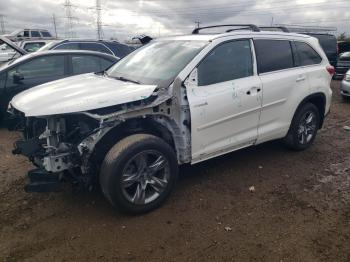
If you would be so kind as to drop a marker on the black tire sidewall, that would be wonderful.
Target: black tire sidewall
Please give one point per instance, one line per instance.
(110, 176)
(293, 133)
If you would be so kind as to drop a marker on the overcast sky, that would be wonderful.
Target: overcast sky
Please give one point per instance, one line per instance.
(125, 18)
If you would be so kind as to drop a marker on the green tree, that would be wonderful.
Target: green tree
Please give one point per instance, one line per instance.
(342, 37)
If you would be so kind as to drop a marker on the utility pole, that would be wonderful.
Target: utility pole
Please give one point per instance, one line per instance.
(2, 24)
(99, 19)
(69, 23)
(54, 24)
(272, 21)
(197, 23)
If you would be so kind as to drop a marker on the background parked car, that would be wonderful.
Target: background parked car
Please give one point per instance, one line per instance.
(27, 34)
(41, 67)
(33, 45)
(9, 50)
(329, 44)
(343, 46)
(345, 85)
(343, 65)
(108, 47)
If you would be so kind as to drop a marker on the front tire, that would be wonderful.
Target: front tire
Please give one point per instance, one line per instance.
(139, 173)
(304, 127)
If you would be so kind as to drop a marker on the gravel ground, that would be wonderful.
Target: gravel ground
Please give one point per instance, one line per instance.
(299, 211)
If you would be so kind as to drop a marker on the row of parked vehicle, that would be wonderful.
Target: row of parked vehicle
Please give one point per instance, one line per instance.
(34, 62)
(176, 100)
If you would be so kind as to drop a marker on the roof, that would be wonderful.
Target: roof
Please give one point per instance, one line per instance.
(55, 52)
(243, 33)
(88, 40)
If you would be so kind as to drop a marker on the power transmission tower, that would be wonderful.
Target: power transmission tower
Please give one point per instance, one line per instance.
(197, 23)
(2, 24)
(99, 19)
(54, 24)
(69, 19)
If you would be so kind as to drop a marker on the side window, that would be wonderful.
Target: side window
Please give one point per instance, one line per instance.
(35, 33)
(32, 47)
(26, 33)
(273, 55)
(228, 61)
(86, 64)
(120, 50)
(69, 46)
(95, 47)
(307, 55)
(49, 66)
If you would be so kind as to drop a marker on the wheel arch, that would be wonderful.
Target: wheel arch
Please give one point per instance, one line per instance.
(319, 100)
(131, 126)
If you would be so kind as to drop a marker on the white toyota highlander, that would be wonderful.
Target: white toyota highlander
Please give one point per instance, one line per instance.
(176, 100)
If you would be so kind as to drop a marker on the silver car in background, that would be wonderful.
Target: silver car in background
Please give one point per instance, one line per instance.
(345, 85)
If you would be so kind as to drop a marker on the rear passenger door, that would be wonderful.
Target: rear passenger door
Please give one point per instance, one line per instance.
(284, 86)
(311, 62)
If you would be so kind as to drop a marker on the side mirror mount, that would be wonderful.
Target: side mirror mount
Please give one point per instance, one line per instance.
(17, 78)
(192, 79)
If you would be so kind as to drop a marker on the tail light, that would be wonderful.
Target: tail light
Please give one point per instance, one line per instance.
(330, 69)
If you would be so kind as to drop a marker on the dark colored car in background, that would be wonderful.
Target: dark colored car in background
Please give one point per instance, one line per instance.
(40, 67)
(329, 45)
(104, 46)
(343, 46)
(343, 65)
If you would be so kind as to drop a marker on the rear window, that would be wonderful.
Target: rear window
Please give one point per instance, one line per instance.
(45, 34)
(120, 50)
(69, 46)
(307, 55)
(273, 55)
(95, 47)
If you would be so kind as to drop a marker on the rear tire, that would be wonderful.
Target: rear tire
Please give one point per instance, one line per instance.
(139, 173)
(304, 127)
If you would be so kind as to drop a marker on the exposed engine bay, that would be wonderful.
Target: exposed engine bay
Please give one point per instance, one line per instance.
(72, 146)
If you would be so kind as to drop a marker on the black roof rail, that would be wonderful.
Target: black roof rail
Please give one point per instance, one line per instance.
(251, 26)
(282, 28)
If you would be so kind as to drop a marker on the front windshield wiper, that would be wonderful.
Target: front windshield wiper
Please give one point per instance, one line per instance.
(126, 79)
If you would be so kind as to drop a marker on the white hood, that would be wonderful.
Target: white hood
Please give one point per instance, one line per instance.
(77, 94)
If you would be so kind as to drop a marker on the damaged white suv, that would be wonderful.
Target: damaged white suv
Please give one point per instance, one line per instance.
(177, 100)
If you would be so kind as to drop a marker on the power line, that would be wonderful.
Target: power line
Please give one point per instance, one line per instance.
(99, 20)
(54, 24)
(2, 24)
(69, 19)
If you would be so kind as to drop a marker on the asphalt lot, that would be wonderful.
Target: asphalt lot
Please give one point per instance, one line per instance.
(299, 211)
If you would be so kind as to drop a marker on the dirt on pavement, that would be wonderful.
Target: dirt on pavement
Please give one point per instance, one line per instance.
(299, 210)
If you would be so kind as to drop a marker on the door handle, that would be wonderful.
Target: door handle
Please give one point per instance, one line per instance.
(301, 78)
(249, 92)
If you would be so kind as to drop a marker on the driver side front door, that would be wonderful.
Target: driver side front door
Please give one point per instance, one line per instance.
(225, 102)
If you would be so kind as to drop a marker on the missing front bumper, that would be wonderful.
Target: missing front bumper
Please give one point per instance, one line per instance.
(41, 181)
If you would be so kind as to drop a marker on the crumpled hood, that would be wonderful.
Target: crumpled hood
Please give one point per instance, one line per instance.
(77, 94)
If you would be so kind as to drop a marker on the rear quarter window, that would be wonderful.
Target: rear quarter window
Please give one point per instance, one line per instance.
(307, 55)
(273, 55)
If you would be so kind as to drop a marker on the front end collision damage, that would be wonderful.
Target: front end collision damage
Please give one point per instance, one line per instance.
(73, 146)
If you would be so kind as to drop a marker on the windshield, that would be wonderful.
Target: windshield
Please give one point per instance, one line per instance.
(15, 33)
(157, 63)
